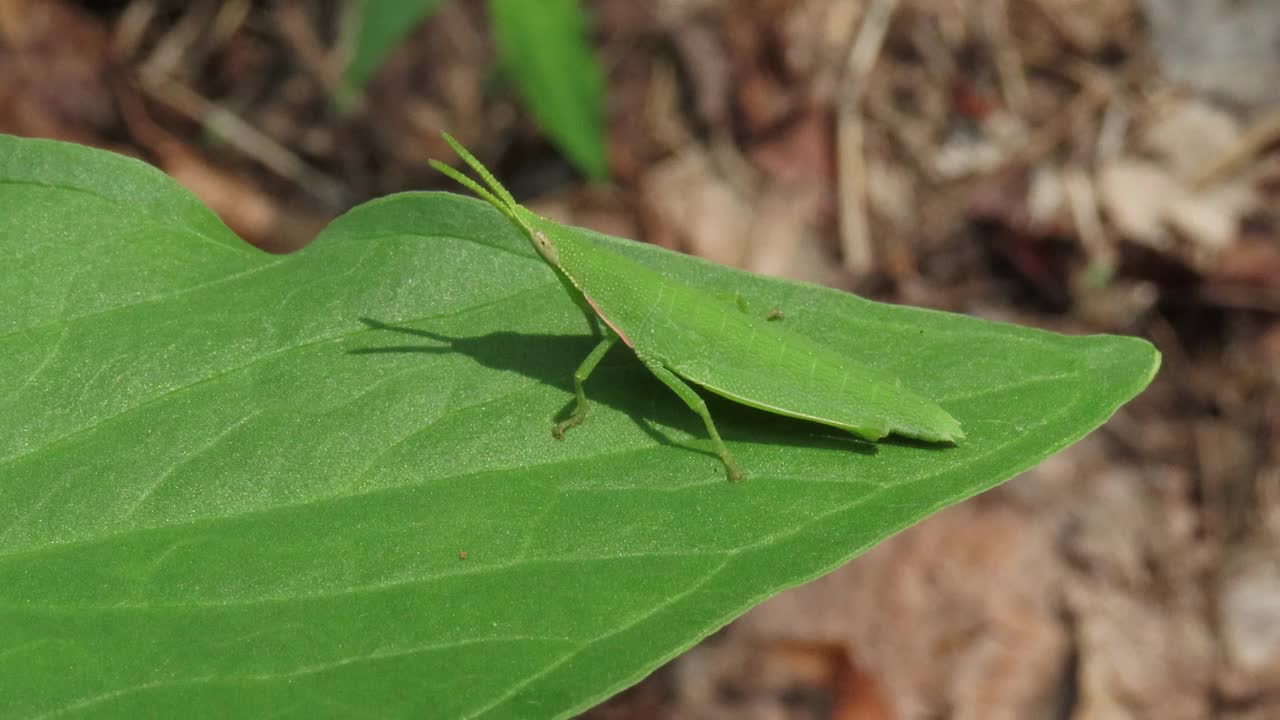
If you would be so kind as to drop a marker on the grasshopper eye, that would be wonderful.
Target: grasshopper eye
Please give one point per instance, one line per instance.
(545, 248)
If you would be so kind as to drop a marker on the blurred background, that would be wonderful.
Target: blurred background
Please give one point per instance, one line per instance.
(1079, 165)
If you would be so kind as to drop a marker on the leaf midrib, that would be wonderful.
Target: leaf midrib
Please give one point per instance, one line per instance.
(348, 496)
(764, 540)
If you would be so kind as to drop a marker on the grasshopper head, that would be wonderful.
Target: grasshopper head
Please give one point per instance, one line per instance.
(497, 196)
(545, 247)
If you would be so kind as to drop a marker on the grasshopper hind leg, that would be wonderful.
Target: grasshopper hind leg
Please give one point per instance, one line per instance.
(699, 406)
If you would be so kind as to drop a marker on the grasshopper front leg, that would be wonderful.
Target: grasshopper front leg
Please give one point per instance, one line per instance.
(579, 377)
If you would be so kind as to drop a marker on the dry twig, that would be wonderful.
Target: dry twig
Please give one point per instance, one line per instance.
(1258, 137)
(855, 235)
(243, 136)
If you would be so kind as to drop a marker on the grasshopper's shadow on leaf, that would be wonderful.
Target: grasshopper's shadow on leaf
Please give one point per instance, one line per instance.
(551, 360)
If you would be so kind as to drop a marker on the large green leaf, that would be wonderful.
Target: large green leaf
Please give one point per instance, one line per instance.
(238, 485)
(543, 46)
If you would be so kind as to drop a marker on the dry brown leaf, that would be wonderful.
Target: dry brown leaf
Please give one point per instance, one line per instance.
(1249, 615)
(1151, 206)
(688, 197)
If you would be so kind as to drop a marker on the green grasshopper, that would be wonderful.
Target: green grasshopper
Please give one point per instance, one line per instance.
(682, 333)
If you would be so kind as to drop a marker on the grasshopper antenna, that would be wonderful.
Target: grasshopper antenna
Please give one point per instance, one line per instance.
(480, 170)
(474, 187)
(496, 195)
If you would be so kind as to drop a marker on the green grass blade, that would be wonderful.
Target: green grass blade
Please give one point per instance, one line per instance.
(383, 24)
(544, 49)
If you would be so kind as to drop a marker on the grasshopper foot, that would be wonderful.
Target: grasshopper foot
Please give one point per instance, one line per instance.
(574, 420)
(731, 467)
